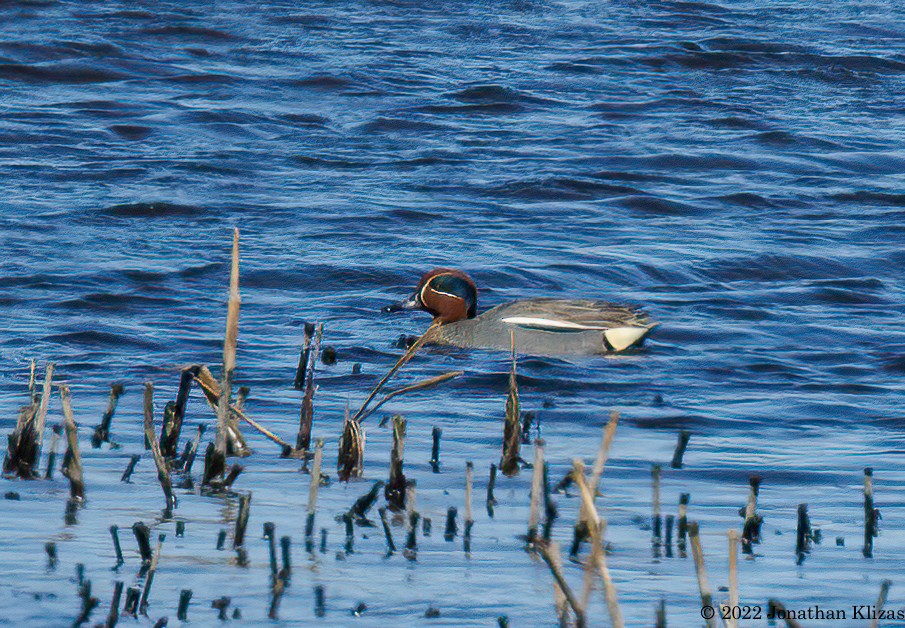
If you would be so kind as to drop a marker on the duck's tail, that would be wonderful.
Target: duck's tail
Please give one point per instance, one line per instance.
(621, 338)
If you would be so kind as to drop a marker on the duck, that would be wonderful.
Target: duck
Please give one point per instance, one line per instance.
(539, 326)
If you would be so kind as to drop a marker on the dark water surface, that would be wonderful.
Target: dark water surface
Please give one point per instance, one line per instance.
(737, 169)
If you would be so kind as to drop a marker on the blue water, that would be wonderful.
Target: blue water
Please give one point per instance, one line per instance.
(737, 169)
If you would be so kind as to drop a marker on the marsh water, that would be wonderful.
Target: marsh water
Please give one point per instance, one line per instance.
(737, 169)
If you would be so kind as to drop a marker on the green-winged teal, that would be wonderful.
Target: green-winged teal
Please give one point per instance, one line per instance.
(538, 326)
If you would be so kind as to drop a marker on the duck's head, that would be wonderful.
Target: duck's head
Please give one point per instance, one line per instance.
(449, 295)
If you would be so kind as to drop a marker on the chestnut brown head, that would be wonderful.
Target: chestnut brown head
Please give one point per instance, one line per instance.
(449, 295)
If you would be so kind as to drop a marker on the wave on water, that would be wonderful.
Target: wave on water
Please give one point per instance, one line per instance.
(58, 73)
(160, 209)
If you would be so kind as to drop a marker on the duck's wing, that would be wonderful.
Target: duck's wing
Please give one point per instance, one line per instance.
(574, 315)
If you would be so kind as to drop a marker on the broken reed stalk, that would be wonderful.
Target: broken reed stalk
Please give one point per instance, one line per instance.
(185, 597)
(871, 514)
(603, 454)
(559, 598)
(32, 367)
(172, 424)
(113, 614)
(469, 521)
(410, 352)
(512, 427)
(436, 433)
(270, 537)
(881, 602)
(491, 483)
(20, 443)
(657, 519)
(143, 537)
(130, 606)
(682, 532)
(89, 603)
(211, 389)
(102, 431)
(306, 417)
(130, 468)
(391, 546)
(363, 504)
(427, 383)
(191, 450)
(41, 415)
(751, 529)
(411, 517)
(681, 445)
(52, 454)
(703, 584)
(241, 520)
(146, 592)
(556, 571)
(395, 487)
(163, 473)
(72, 459)
(597, 529)
(802, 534)
(51, 549)
(230, 339)
(451, 529)
(285, 554)
(241, 398)
(24, 443)
(117, 548)
(731, 620)
(301, 370)
(537, 491)
(550, 510)
(312, 494)
(350, 460)
(277, 590)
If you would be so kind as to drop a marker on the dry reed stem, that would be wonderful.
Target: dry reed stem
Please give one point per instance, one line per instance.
(72, 460)
(870, 514)
(41, 415)
(657, 520)
(512, 427)
(556, 570)
(350, 460)
(603, 454)
(163, 473)
(230, 340)
(881, 602)
(146, 592)
(211, 389)
(306, 416)
(703, 584)
(32, 367)
(102, 431)
(469, 482)
(732, 622)
(315, 476)
(562, 604)
(427, 383)
(597, 528)
(399, 364)
(537, 490)
(395, 487)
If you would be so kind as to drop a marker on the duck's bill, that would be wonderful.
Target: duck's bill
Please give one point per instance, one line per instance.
(400, 306)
